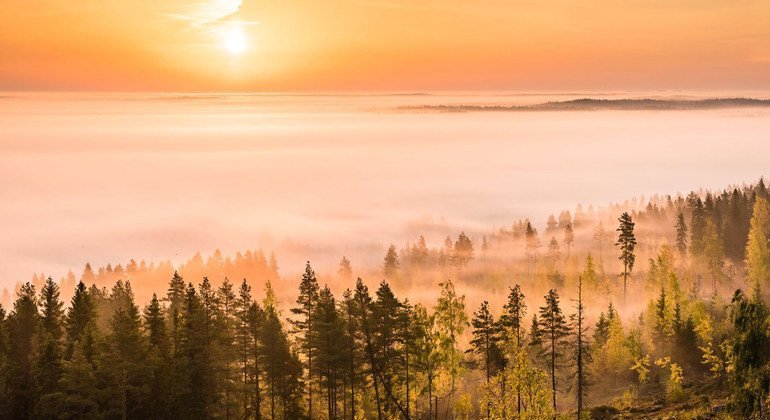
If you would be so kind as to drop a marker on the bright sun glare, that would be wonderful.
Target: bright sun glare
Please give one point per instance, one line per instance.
(234, 40)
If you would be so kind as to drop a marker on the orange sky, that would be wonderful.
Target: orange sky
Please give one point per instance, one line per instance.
(384, 44)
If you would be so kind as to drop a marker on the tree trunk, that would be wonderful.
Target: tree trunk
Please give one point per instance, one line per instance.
(625, 276)
(272, 396)
(553, 369)
(407, 382)
(489, 403)
(310, 385)
(430, 395)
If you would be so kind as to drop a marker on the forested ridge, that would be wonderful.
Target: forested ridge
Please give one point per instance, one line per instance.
(648, 308)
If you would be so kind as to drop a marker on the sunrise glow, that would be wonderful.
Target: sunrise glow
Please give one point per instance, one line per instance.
(234, 39)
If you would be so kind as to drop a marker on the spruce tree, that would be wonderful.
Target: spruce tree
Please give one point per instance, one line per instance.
(750, 352)
(390, 321)
(600, 236)
(391, 264)
(195, 360)
(49, 353)
(22, 323)
(697, 225)
(485, 343)
(123, 366)
(80, 313)
(158, 359)
(681, 235)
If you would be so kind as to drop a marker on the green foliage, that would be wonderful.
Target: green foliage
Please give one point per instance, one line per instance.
(451, 321)
(749, 354)
(757, 250)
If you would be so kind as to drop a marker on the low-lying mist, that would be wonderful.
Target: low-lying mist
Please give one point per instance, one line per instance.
(108, 178)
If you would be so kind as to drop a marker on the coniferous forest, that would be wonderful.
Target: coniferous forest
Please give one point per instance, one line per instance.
(651, 308)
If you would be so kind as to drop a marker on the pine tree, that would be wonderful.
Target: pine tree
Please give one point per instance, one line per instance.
(175, 296)
(329, 363)
(553, 253)
(569, 238)
(256, 321)
(191, 356)
(531, 245)
(627, 243)
(351, 352)
(582, 349)
(363, 306)
(554, 330)
(244, 341)
(227, 323)
(345, 271)
(511, 325)
(303, 324)
(211, 330)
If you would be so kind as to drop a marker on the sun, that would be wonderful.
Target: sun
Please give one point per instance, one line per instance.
(234, 40)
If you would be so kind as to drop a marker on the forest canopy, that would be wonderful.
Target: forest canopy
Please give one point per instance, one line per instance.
(647, 308)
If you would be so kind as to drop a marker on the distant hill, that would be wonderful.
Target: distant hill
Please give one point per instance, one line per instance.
(591, 104)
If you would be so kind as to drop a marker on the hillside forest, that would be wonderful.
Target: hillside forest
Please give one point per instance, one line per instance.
(650, 308)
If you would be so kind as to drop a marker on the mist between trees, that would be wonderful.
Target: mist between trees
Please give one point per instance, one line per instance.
(651, 308)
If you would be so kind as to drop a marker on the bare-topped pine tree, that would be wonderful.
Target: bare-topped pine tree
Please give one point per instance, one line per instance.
(627, 243)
